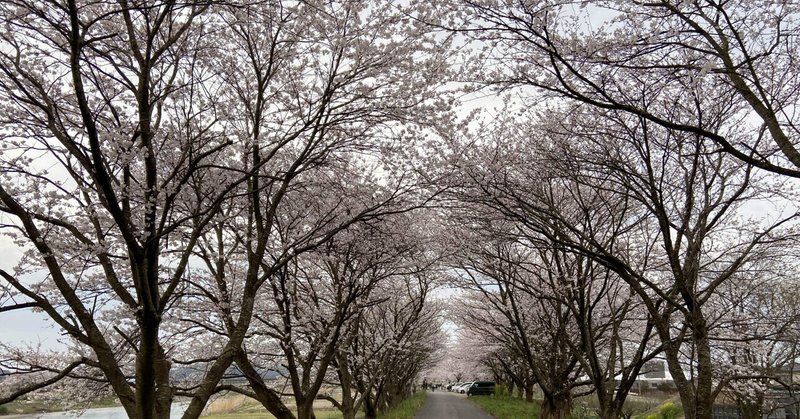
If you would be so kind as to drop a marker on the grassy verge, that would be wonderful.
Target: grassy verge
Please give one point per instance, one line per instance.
(26, 405)
(324, 414)
(638, 407)
(256, 411)
(668, 410)
(505, 407)
(406, 409)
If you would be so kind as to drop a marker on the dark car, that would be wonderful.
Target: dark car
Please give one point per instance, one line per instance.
(481, 388)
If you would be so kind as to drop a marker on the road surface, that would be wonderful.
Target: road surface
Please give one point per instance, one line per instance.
(444, 405)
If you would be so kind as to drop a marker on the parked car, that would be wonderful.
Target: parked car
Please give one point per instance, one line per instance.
(462, 389)
(481, 388)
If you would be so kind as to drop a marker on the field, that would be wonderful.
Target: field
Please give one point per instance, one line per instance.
(240, 407)
(506, 407)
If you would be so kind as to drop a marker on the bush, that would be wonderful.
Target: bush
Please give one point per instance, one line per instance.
(507, 407)
(406, 409)
(670, 411)
(501, 390)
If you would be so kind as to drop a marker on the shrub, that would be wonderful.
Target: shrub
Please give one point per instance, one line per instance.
(501, 390)
(670, 411)
(407, 408)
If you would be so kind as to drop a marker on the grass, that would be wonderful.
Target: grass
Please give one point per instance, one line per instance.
(252, 410)
(320, 414)
(505, 407)
(406, 409)
(668, 410)
(586, 407)
(236, 407)
(247, 409)
(28, 405)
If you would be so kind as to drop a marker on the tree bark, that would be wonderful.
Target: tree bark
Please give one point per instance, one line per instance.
(529, 393)
(266, 396)
(704, 393)
(305, 409)
(556, 406)
(369, 408)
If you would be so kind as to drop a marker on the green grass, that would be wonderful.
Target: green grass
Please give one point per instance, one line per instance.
(505, 407)
(586, 407)
(406, 409)
(258, 412)
(27, 405)
(668, 410)
(251, 409)
(320, 414)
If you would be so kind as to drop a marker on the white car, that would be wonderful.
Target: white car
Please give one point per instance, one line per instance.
(462, 389)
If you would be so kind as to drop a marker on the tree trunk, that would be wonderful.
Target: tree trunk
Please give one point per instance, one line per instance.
(266, 396)
(305, 409)
(147, 363)
(556, 406)
(529, 393)
(347, 405)
(164, 391)
(749, 410)
(616, 402)
(348, 413)
(672, 354)
(704, 393)
(605, 401)
(369, 407)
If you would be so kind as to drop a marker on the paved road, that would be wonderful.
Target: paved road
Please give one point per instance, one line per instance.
(444, 405)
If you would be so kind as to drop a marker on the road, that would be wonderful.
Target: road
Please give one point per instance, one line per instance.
(443, 405)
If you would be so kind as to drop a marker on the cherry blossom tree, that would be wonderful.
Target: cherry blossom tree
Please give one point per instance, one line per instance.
(639, 57)
(705, 81)
(756, 334)
(316, 303)
(159, 158)
(324, 138)
(463, 359)
(536, 329)
(393, 342)
(595, 315)
(681, 204)
(105, 132)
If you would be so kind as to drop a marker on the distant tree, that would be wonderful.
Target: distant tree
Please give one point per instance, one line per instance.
(500, 307)
(315, 304)
(394, 342)
(462, 359)
(597, 317)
